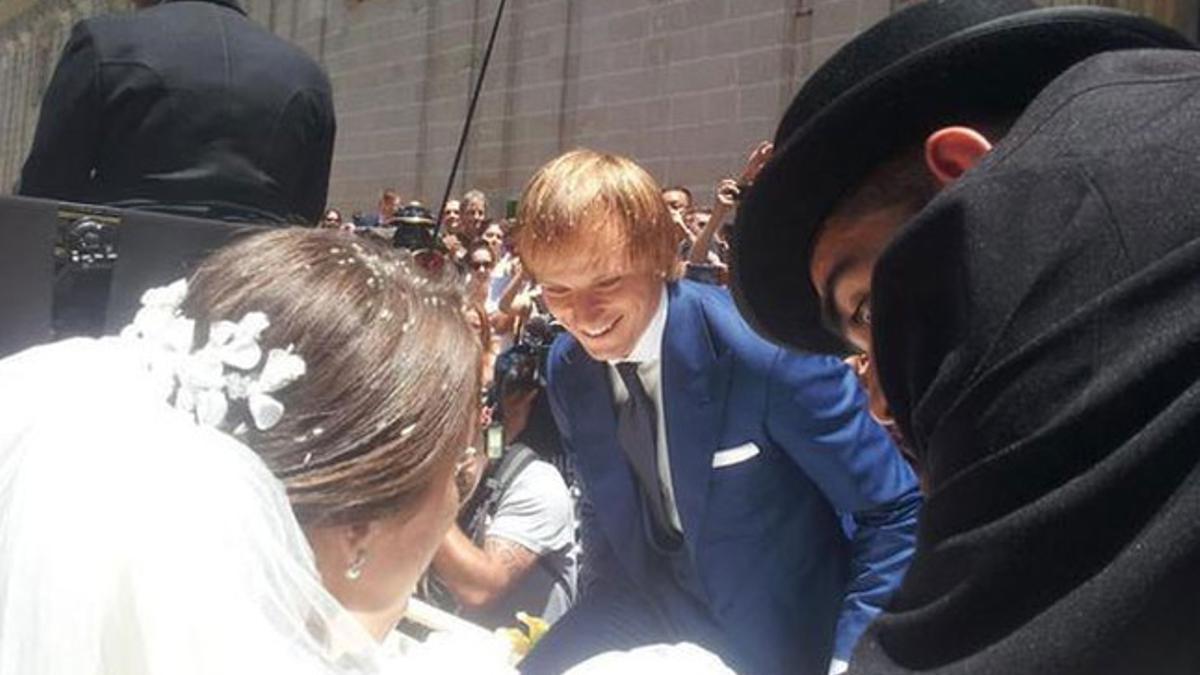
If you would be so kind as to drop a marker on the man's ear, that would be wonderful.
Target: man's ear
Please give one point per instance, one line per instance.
(951, 151)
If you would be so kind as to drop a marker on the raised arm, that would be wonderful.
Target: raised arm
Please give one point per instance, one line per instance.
(728, 192)
(510, 300)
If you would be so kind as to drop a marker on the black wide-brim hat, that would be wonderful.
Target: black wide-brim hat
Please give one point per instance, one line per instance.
(931, 65)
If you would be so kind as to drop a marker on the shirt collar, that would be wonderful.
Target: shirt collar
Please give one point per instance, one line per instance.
(649, 345)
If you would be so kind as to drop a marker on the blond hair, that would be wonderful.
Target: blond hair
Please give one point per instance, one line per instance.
(585, 193)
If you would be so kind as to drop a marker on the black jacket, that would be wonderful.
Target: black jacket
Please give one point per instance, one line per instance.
(187, 107)
(1037, 333)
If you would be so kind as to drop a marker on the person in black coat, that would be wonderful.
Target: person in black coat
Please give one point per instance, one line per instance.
(995, 205)
(188, 107)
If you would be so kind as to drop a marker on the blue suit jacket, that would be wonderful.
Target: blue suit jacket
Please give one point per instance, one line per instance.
(789, 554)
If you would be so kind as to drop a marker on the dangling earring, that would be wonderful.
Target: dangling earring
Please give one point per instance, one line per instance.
(354, 571)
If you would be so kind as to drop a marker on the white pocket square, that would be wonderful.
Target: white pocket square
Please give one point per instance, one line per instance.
(734, 455)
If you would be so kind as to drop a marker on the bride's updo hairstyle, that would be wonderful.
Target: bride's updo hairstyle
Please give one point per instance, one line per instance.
(390, 397)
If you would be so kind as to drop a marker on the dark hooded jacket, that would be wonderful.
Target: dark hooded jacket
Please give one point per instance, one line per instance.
(187, 107)
(1037, 332)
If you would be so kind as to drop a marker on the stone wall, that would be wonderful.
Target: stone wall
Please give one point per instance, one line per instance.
(685, 86)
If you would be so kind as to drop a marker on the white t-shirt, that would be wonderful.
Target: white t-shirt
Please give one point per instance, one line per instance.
(535, 512)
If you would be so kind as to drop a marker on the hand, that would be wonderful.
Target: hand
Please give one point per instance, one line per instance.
(728, 192)
(682, 224)
(756, 161)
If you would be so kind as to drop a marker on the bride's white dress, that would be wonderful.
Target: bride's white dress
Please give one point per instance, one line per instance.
(135, 542)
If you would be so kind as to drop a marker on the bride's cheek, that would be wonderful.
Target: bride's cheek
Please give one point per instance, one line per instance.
(450, 505)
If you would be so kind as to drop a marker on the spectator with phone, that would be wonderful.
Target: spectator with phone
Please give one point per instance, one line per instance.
(514, 546)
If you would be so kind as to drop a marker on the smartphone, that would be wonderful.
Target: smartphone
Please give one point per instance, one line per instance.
(494, 439)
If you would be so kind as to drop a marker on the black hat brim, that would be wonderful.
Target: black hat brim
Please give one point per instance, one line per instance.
(989, 69)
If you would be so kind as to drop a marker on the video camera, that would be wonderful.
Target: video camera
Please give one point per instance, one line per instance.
(79, 269)
(524, 364)
(415, 227)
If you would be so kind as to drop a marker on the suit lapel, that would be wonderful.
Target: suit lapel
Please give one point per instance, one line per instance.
(695, 380)
(608, 477)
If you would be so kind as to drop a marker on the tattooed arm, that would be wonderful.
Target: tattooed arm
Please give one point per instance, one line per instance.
(480, 576)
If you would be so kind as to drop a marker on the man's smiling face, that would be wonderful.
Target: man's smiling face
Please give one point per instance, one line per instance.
(605, 300)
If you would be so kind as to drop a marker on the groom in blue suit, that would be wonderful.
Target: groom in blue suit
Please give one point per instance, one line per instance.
(735, 495)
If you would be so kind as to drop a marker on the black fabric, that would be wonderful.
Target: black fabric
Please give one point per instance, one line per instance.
(1037, 333)
(188, 107)
(916, 27)
(930, 65)
(38, 296)
(637, 434)
(28, 229)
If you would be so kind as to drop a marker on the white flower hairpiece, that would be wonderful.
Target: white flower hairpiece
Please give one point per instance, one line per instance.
(204, 381)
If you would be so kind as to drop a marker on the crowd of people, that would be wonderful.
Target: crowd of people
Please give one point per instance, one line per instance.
(505, 299)
(916, 393)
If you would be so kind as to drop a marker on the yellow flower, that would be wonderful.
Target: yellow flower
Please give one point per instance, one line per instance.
(536, 626)
(524, 636)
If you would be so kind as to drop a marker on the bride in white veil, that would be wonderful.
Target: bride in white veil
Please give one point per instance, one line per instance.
(134, 541)
(263, 504)
(251, 478)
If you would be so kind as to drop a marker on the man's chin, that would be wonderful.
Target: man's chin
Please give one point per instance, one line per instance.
(605, 349)
(603, 353)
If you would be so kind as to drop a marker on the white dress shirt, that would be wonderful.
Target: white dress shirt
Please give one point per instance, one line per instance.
(647, 353)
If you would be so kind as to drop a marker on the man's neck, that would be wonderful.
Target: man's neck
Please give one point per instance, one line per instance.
(649, 344)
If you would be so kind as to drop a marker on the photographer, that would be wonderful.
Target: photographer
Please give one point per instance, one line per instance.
(514, 547)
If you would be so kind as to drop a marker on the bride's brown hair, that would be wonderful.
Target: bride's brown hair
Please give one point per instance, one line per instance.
(390, 397)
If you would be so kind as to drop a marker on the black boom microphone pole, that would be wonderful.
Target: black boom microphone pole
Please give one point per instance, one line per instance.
(466, 130)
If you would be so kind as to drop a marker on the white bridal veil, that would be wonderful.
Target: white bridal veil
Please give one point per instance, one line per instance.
(135, 542)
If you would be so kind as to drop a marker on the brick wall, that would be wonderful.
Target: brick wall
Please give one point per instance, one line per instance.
(686, 87)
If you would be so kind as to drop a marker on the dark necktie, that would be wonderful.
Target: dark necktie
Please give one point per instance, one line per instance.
(637, 433)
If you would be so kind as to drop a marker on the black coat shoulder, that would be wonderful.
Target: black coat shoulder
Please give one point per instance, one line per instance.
(188, 107)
